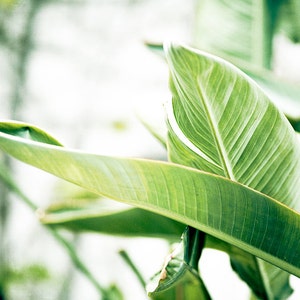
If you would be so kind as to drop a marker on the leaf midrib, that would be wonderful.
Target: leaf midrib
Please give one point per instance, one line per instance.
(226, 165)
(215, 132)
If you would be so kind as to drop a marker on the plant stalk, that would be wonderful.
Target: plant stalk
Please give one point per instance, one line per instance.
(133, 267)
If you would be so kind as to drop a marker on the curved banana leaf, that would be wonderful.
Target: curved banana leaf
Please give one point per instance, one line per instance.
(242, 29)
(78, 215)
(285, 95)
(109, 218)
(225, 209)
(220, 121)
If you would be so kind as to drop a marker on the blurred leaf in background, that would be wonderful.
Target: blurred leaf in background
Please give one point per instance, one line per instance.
(8, 4)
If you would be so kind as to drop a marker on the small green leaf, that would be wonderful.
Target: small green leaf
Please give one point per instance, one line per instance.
(31, 132)
(179, 278)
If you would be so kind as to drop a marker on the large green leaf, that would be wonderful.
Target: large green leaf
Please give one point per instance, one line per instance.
(220, 121)
(285, 95)
(228, 125)
(242, 29)
(223, 208)
(242, 32)
(107, 217)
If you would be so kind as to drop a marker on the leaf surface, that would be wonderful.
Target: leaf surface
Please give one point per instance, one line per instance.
(220, 121)
(285, 95)
(225, 209)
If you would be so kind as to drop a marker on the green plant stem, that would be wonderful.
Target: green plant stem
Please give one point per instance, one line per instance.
(193, 242)
(133, 267)
(8, 180)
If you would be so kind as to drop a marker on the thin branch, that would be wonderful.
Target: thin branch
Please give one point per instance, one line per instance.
(133, 267)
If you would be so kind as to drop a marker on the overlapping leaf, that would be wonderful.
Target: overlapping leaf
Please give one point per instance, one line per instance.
(220, 121)
(285, 95)
(250, 220)
(224, 119)
(110, 218)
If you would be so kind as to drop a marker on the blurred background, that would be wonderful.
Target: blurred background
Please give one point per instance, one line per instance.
(80, 70)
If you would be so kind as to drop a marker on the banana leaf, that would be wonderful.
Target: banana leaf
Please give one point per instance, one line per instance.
(285, 95)
(221, 122)
(225, 209)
